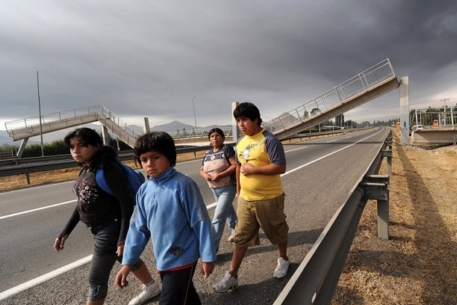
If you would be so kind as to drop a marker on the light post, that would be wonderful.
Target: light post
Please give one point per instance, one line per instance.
(444, 101)
(39, 113)
(193, 106)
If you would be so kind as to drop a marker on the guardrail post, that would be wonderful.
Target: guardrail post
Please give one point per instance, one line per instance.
(27, 176)
(388, 154)
(376, 187)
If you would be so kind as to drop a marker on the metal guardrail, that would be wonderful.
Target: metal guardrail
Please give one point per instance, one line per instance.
(316, 278)
(40, 164)
(63, 157)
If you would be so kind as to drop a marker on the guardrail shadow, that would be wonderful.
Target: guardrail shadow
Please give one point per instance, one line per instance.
(435, 288)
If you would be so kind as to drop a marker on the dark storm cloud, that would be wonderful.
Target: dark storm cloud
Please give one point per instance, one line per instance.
(150, 58)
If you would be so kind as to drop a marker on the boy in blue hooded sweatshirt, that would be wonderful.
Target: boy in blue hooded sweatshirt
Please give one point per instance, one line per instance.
(170, 210)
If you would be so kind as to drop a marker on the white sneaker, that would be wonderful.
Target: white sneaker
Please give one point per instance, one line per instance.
(227, 283)
(281, 269)
(148, 293)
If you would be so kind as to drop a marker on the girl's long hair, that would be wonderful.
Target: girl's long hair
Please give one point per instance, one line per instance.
(104, 156)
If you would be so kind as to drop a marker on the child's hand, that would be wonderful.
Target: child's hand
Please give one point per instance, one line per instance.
(216, 177)
(247, 169)
(206, 269)
(59, 243)
(120, 249)
(121, 278)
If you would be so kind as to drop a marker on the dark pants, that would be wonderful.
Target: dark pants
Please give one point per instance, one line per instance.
(178, 288)
(103, 259)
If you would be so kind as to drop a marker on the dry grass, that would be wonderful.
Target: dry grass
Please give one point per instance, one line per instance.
(417, 265)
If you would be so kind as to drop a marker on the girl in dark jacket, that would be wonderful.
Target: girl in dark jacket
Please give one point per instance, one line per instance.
(107, 216)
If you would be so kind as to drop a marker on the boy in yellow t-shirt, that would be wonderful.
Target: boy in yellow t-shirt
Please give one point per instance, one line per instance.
(260, 162)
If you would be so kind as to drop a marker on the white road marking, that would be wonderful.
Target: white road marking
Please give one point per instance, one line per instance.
(38, 209)
(41, 279)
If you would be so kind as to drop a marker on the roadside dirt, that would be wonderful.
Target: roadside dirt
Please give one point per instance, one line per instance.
(417, 265)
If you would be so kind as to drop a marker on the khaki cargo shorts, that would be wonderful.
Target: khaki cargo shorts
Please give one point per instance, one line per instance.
(266, 214)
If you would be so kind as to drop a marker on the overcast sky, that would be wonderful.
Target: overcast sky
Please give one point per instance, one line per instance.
(149, 58)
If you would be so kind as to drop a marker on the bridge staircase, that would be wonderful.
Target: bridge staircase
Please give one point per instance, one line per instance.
(354, 92)
(31, 127)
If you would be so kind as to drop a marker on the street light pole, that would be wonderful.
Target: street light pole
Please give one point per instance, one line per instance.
(445, 100)
(39, 113)
(193, 106)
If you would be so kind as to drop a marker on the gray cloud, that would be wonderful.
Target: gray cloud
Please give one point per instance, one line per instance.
(149, 58)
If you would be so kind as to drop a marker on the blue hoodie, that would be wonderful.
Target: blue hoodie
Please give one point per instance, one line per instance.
(170, 210)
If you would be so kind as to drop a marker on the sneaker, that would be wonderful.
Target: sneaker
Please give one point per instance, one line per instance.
(148, 293)
(281, 269)
(227, 283)
(231, 238)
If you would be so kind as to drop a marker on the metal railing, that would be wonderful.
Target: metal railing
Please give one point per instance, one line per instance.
(439, 118)
(51, 117)
(65, 118)
(356, 86)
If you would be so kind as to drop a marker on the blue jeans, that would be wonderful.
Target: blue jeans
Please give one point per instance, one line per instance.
(224, 212)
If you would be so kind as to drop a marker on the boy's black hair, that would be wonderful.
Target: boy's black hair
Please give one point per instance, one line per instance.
(217, 130)
(247, 110)
(88, 136)
(160, 142)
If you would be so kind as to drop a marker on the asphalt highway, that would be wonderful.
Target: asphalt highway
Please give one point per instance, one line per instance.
(319, 176)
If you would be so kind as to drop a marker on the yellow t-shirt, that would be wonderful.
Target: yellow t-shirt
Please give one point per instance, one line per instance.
(260, 149)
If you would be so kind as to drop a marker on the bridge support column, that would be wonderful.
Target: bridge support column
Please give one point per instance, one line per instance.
(22, 148)
(404, 110)
(146, 128)
(105, 135)
(235, 130)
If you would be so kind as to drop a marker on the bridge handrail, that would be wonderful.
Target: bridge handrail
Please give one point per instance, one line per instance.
(66, 116)
(361, 83)
(51, 117)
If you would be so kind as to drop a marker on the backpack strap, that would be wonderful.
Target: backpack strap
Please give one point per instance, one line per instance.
(225, 148)
(134, 179)
(101, 181)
